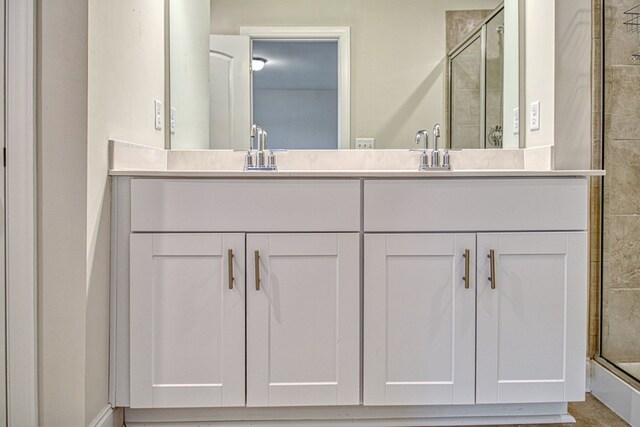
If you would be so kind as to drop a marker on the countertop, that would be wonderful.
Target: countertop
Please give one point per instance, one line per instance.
(466, 173)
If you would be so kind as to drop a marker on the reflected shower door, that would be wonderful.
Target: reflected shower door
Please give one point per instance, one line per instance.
(466, 96)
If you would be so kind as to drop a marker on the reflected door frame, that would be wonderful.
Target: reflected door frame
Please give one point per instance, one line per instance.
(343, 36)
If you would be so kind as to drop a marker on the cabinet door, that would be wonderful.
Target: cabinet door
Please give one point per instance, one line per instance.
(303, 317)
(419, 319)
(187, 320)
(532, 323)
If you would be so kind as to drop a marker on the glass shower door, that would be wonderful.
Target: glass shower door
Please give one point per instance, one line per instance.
(466, 96)
(620, 257)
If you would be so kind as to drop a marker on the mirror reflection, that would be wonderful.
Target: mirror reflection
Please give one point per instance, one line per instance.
(331, 74)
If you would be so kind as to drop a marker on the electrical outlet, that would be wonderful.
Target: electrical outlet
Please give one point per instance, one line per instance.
(173, 120)
(158, 114)
(516, 121)
(535, 116)
(365, 143)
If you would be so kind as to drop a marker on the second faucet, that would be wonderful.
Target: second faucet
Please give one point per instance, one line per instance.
(434, 162)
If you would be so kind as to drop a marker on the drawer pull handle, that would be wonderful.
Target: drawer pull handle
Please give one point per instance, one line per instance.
(492, 257)
(257, 259)
(230, 263)
(467, 262)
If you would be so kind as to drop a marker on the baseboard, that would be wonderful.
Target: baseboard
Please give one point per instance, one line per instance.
(587, 386)
(354, 416)
(108, 417)
(415, 422)
(619, 396)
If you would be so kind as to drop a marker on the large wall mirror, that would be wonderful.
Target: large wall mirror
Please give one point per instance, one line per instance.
(343, 74)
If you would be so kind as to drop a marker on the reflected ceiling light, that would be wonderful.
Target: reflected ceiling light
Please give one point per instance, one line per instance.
(257, 63)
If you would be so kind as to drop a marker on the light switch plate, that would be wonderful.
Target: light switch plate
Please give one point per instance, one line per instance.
(365, 143)
(516, 121)
(535, 116)
(157, 105)
(173, 120)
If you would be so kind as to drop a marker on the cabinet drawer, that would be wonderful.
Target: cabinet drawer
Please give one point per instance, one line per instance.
(540, 204)
(159, 205)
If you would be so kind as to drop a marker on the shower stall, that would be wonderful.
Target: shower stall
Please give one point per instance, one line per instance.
(620, 203)
(483, 77)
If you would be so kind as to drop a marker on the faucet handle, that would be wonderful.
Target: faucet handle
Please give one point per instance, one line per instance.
(271, 160)
(248, 160)
(446, 160)
(436, 130)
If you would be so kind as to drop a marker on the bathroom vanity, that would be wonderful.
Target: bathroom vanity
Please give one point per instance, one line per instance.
(361, 297)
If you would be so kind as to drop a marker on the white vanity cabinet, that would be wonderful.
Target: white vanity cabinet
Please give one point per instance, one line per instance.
(372, 300)
(419, 319)
(531, 317)
(516, 334)
(187, 320)
(303, 321)
(188, 292)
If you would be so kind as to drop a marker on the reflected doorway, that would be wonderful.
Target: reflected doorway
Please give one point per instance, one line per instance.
(295, 92)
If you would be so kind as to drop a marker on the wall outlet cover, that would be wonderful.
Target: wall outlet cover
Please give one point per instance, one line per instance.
(157, 105)
(173, 120)
(516, 121)
(365, 143)
(535, 116)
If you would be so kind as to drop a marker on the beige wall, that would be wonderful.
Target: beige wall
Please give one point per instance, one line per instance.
(573, 84)
(85, 97)
(540, 50)
(397, 55)
(559, 34)
(62, 218)
(190, 72)
(126, 74)
(511, 71)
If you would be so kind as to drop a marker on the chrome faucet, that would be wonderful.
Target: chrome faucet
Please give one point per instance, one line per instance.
(259, 145)
(424, 157)
(435, 154)
(434, 162)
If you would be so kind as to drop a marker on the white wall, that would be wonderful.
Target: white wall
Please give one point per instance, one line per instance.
(573, 84)
(189, 53)
(540, 65)
(126, 73)
(62, 211)
(397, 55)
(558, 74)
(511, 72)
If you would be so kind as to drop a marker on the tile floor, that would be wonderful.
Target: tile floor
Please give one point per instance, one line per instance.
(591, 413)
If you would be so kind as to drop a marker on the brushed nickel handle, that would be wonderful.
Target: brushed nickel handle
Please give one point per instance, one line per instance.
(492, 257)
(230, 263)
(467, 263)
(257, 259)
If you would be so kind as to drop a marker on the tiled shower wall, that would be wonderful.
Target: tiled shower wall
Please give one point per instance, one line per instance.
(621, 202)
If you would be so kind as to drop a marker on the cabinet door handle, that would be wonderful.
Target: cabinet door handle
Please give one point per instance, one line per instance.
(467, 263)
(492, 257)
(257, 260)
(230, 263)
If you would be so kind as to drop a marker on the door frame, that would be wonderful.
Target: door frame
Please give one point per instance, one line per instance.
(21, 285)
(343, 36)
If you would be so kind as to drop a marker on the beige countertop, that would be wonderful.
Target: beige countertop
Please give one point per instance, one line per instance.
(485, 173)
(128, 159)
